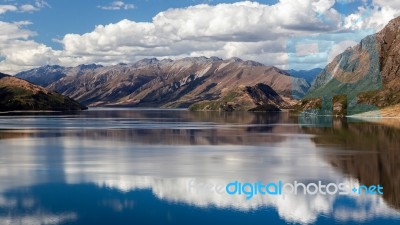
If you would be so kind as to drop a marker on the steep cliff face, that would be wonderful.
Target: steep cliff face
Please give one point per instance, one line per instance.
(389, 50)
(17, 94)
(368, 73)
(168, 83)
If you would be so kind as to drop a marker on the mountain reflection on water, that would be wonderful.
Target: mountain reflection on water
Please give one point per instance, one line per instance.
(120, 166)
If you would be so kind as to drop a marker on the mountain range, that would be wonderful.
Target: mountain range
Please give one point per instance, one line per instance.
(362, 78)
(207, 82)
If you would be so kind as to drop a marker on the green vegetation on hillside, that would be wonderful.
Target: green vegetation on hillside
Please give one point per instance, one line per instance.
(17, 94)
(245, 98)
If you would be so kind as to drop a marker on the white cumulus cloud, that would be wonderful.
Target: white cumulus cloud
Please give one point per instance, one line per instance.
(35, 6)
(117, 5)
(246, 29)
(7, 8)
(374, 16)
(28, 8)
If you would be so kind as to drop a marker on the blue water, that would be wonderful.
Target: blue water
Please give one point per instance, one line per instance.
(146, 166)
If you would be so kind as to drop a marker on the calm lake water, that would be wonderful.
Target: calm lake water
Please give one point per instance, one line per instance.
(131, 166)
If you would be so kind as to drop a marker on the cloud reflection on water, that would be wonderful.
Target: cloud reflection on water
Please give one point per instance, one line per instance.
(215, 154)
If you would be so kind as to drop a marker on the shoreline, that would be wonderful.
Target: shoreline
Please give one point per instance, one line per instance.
(387, 112)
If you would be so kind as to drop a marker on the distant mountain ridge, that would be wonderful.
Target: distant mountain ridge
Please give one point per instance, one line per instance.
(164, 83)
(48, 74)
(308, 75)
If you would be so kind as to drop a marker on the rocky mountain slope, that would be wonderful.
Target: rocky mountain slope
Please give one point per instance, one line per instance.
(18, 94)
(260, 97)
(47, 75)
(366, 76)
(389, 48)
(164, 83)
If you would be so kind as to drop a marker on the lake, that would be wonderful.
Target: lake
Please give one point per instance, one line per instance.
(148, 166)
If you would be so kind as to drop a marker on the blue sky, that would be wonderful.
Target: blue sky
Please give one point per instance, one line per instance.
(80, 16)
(64, 31)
